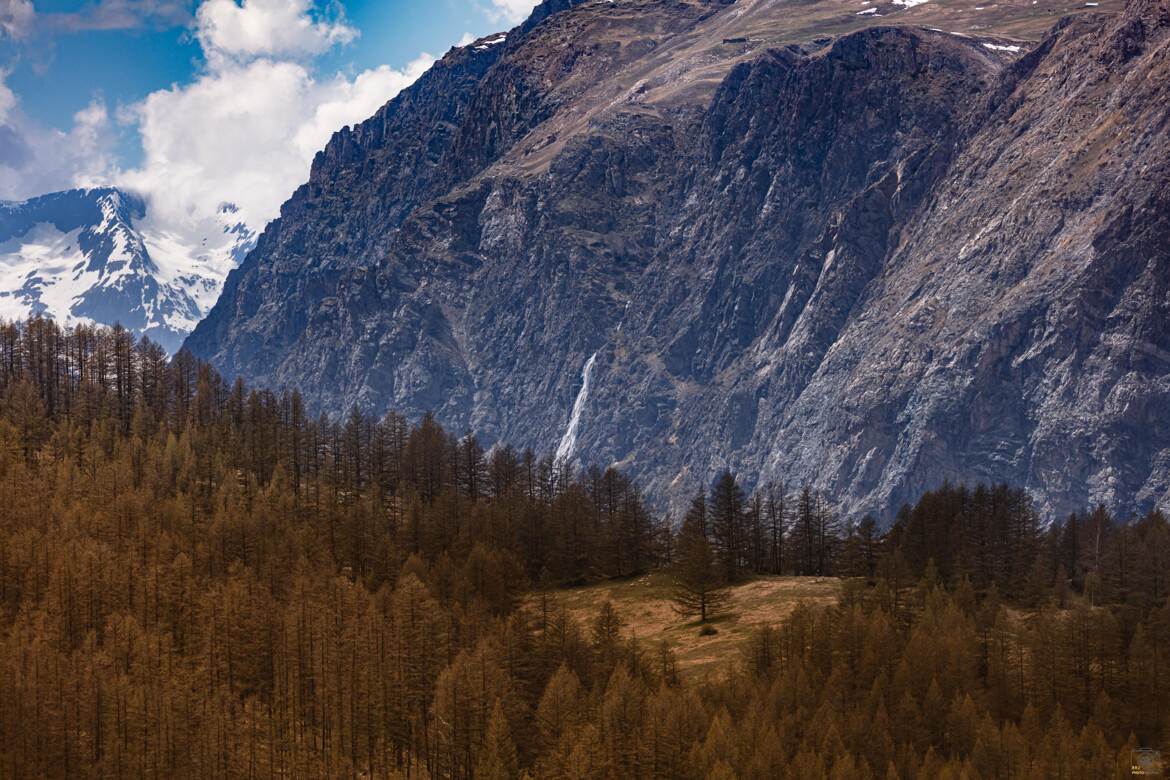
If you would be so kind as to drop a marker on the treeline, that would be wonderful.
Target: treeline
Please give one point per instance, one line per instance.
(198, 581)
(991, 536)
(379, 489)
(774, 532)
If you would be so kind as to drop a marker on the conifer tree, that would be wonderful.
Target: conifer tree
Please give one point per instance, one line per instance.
(727, 519)
(776, 527)
(700, 585)
(561, 707)
(497, 757)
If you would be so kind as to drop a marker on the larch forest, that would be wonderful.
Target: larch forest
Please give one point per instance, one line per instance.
(200, 580)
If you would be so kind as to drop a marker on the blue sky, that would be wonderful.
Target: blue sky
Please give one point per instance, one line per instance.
(59, 72)
(195, 103)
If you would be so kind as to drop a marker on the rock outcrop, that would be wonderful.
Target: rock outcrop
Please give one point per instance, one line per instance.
(797, 242)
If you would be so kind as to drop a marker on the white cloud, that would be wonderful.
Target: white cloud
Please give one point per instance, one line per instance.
(36, 159)
(244, 130)
(118, 15)
(16, 17)
(513, 11)
(246, 133)
(267, 28)
(19, 19)
(7, 97)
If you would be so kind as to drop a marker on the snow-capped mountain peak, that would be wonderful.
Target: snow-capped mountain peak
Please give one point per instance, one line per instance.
(95, 255)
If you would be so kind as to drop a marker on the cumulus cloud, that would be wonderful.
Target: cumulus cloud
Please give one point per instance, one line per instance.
(36, 159)
(246, 133)
(513, 11)
(246, 129)
(269, 28)
(243, 130)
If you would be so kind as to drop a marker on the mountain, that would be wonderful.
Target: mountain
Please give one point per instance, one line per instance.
(91, 255)
(865, 250)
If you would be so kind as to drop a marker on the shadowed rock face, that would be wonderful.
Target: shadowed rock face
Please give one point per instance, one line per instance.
(870, 263)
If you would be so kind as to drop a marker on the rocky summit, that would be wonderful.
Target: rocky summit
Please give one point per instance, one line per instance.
(864, 246)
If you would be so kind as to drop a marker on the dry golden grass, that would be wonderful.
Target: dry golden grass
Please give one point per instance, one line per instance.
(646, 607)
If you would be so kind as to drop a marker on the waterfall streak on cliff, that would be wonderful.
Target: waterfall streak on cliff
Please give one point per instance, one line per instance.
(569, 440)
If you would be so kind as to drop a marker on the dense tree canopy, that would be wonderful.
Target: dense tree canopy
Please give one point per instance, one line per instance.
(199, 581)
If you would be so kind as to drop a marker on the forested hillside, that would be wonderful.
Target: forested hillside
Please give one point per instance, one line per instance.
(197, 581)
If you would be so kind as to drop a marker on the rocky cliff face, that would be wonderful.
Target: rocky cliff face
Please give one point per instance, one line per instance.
(798, 242)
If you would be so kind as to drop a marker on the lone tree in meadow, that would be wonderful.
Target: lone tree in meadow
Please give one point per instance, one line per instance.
(700, 585)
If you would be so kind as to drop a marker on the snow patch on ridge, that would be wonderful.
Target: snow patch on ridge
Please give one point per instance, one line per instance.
(46, 269)
(491, 40)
